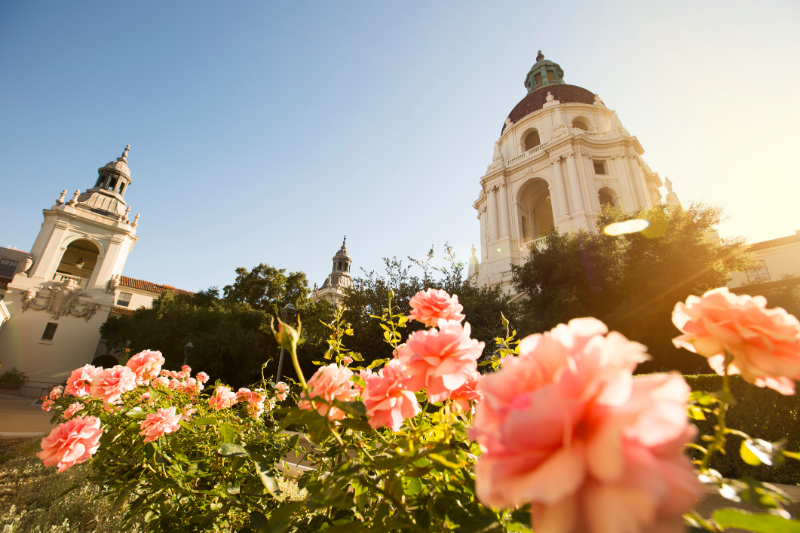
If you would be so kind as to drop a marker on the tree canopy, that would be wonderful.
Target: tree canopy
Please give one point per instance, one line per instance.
(633, 281)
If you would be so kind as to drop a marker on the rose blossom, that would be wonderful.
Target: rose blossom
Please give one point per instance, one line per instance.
(330, 383)
(145, 365)
(70, 411)
(160, 423)
(346, 360)
(47, 405)
(71, 443)
(79, 382)
(56, 393)
(764, 343)
(202, 377)
(146, 398)
(440, 359)
(222, 398)
(113, 383)
(281, 390)
(387, 399)
(164, 373)
(190, 386)
(160, 382)
(566, 427)
(255, 401)
(468, 392)
(174, 384)
(188, 411)
(187, 369)
(433, 305)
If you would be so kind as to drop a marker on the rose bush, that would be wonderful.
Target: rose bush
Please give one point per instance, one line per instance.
(561, 436)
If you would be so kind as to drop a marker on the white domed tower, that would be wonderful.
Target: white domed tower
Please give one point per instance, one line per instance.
(339, 278)
(65, 291)
(561, 155)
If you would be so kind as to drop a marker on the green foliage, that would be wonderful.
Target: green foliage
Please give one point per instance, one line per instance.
(268, 288)
(760, 412)
(367, 300)
(631, 282)
(13, 378)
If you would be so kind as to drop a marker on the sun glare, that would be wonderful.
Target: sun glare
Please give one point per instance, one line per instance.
(633, 225)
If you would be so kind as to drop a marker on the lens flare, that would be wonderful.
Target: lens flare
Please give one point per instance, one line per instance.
(633, 225)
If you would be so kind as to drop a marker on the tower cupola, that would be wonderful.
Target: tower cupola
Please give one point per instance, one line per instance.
(106, 197)
(544, 72)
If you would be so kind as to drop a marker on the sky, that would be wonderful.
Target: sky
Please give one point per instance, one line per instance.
(266, 131)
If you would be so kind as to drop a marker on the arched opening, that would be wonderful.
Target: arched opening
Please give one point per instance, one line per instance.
(531, 140)
(608, 197)
(580, 123)
(536, 210)
(78, 262)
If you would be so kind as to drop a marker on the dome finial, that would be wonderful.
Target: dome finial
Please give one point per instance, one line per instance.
(124, 156)
(344, 241)
(540, 56)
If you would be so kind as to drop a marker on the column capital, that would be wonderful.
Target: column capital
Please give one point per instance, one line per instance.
(501, 185)
(555, 160)
(570, 155)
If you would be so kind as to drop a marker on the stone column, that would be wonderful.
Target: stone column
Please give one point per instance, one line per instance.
(561, 190)
(628, 198)
(503, 211)
(482, 218)
(492, 209)
(574, 183)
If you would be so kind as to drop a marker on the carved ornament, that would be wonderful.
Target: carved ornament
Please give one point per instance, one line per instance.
(63, 300)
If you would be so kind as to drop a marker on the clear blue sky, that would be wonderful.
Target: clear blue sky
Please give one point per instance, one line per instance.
(264, 132)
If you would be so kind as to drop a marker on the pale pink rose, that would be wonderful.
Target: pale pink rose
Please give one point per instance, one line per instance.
(164, 373)
(202, 377)
(113, 383)
(222, 398)
(47, 405)
(145, 398)
(145, 365)
(173, 374)
(71, 443)
(70, 411)
(330, 383)
(468, 392)
(56, 393)
(441, 359)
(431, 306)
(79, 382)
(346, 360)
(174, 384)
(190, 386)
(255, 401)
(764, 343)
(160, 423)
(160, 382)
(281, 390)
(187, 369)
(183, 375)
(564, 426)
(387, 399)
(188, 411)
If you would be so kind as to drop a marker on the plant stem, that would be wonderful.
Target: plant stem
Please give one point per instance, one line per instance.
(296, 363)
(719, 437)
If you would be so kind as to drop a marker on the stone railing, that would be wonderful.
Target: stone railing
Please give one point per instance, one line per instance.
(539, 244)
(79, 282)
(524, 155)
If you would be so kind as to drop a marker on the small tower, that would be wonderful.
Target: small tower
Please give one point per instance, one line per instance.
(339, 278)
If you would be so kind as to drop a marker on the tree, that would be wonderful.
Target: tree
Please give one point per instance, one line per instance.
(370, 295)
(268, 288)
(633, 281)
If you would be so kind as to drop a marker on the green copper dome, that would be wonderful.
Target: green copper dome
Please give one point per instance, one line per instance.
(544, 72)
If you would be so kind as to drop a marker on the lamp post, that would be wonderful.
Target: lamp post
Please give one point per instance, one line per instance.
(187, 351)
(287, 313)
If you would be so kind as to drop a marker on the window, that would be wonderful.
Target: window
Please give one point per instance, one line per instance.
(49, 331)
(99, 181)
(550, 76)
(532, 140)
(8, 267)
(581, 125)
(758, 274)
(124, 299)
(121, 188)
(537, 78)
(599, 167)
(111, 184)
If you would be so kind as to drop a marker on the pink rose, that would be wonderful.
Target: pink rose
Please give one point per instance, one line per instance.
(764, 343)
(564, 426)
(79, 382)
(56, 393)
(255, 401)
(431, 306)
(202, 377)
(145, 365)
(387, 399)
(183, 375)
(346, 360)
(112, 383)
(187, 369)
(222, 398)
(330, 383)
(70, 411)
(188, 411)
(173, 374)
(160, 382)
(47, 405)
(281, 390)
(174, 384)
(160, 423)
(146, 398)
(190, 386)
(164, 373)
(71, 443)
(468, 392)
(441, 359)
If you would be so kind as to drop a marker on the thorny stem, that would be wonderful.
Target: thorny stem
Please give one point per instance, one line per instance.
(719, 436)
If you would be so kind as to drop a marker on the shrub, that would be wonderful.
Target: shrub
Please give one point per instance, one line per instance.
(12, 379)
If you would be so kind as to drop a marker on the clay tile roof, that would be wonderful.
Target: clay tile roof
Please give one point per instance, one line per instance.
(773, 243)
(133, 283)
(536, 100)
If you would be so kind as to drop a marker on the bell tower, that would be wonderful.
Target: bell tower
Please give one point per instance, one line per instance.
(339, 278)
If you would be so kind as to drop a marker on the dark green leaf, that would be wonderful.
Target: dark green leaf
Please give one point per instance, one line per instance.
(265, 473)
(228, 449)
(759, 523)
(205, 422)
(357, 425)
(352, 408)
(281, 518)
(227, 432)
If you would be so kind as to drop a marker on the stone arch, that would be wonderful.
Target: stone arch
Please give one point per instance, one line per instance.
(608, 196)
(582, 123)
(80, 259)
(529, 139)
(534, 209)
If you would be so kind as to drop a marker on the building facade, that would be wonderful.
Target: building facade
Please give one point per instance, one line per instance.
(338, 280)
(562, 154)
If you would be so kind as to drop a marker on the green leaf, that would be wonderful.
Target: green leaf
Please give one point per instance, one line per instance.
(725, 396)
(759, 523)
(447, 460)
(257, 520)
(377, 362)
(281, 518)
(318, 429)
(695, 413)
(265, 473)
(757, 451)
(206, 422)
(411, 485)
(227, 432)
(351, 408)
(228, 449)
(233, 487)
(356, 425)
(792, 455)
(121, 499)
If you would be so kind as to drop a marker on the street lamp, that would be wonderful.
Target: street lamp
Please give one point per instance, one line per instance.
(287, 313)
(187, 351)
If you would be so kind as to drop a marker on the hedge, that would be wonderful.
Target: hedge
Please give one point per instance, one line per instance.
(761, 413)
